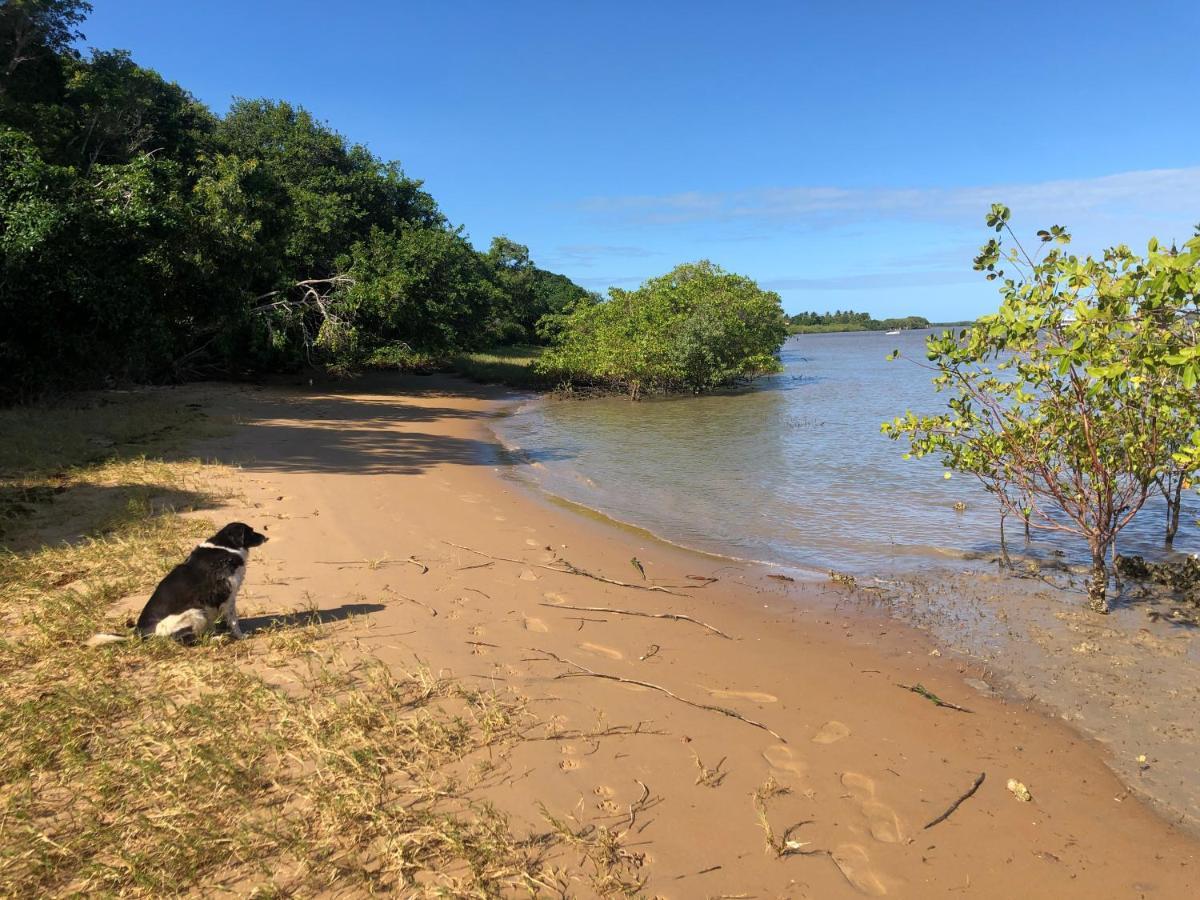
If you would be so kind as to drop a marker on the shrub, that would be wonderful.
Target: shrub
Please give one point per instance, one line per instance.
(696, 328)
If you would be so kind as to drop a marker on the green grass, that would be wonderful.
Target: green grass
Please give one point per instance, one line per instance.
(512, 366)
(151, 769)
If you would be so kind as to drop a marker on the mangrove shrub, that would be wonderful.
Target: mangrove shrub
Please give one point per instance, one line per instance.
(695, 328)
(1072, 400)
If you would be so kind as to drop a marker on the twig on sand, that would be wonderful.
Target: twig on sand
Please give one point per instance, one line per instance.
(373, 563)
(475, 566)
(432, 611)
(678, 617)
(932, 697)
(583, 620)
(635, 808)
(957, 803)
(567, 568)
(585, 671)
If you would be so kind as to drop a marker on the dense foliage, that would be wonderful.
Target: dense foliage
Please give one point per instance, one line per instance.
(695, 328)
(848, 320)
(1080, 394)
(144, 237)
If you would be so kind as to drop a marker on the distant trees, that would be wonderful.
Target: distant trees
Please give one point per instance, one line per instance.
(143, 237)
(693, 329)
(848, 320)
(528, 294)
(1072, 401)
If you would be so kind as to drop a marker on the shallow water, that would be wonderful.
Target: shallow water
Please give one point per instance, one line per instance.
(792, 471)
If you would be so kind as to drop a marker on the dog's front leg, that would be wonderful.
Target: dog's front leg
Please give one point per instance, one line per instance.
(231, 619)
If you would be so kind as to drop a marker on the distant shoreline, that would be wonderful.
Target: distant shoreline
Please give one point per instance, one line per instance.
(851, 329)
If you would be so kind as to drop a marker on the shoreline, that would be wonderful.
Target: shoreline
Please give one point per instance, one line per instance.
(338, 473)
(1028, 629)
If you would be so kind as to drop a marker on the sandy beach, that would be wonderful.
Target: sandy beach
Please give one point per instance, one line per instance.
(774, 714)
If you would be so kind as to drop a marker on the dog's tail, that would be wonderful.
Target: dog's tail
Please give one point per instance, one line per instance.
(100, 639)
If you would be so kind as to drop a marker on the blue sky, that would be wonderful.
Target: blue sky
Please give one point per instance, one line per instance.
(842, 154)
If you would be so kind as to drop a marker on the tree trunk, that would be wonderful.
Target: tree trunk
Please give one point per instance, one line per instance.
(1004, 560)
(1097, 585)
(1173, 510)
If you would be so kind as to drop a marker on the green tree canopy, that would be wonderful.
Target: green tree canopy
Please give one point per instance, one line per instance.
(693, 329)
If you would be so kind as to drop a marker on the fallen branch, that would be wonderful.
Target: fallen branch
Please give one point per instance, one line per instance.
(585, 671)
(568, 568)
(678, 617)
(957, 803)
(932, 697)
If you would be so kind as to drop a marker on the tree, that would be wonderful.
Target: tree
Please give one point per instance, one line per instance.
(695, 328)
(1078, 393)
(34, 30)
(525, 294)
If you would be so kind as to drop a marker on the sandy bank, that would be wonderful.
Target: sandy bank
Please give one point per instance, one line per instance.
(351, 483)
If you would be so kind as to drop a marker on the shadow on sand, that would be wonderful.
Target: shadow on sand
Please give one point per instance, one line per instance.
(309, 617)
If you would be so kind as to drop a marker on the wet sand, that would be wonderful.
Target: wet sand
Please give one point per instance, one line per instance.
(349, 482)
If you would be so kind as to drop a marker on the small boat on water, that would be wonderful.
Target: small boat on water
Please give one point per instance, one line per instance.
(897, 331)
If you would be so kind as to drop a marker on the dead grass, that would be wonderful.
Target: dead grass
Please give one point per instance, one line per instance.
(151, 769)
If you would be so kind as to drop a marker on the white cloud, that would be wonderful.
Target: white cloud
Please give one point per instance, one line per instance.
(1150, 195)
(587, 254)
(873, 280)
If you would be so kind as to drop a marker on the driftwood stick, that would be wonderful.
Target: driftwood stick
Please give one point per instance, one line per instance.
(957, 803)
(678, 617)
(567, 568)
(584, 671)
(432, 611)
(932, 697)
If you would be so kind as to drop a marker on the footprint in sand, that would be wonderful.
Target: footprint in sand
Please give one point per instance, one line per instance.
(499, 519)
(536, 625)
(568, 763)
(752, 696)
(527, 575)
(785, 760)
(830, 733)
(601, 650)
(552, 597)
(885, 825)
(530, 542)
(855, 865)
(606, 803)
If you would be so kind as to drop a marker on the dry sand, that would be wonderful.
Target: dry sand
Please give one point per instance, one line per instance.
(348, 482)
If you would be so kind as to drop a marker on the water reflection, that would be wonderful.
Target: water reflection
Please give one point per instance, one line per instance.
(793, 470)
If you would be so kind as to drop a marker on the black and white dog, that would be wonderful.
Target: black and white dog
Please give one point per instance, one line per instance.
(199, 591)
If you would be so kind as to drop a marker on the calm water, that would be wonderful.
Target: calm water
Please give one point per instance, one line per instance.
(794, 471)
